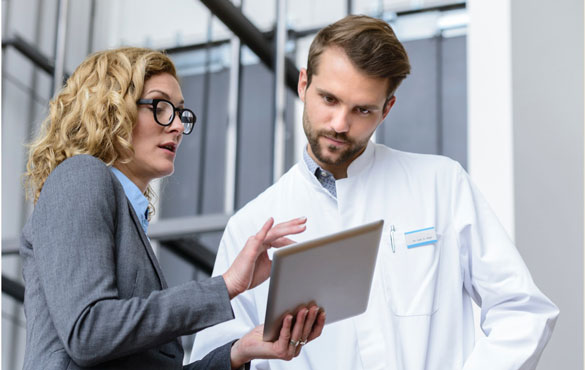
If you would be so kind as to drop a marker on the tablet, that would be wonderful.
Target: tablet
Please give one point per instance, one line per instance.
(335, 272)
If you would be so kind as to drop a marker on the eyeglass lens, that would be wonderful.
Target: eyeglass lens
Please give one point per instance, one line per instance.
(165, 114)
(188, 119)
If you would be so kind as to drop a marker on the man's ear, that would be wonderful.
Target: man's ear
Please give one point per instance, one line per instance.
(388, 106)
(302, 86)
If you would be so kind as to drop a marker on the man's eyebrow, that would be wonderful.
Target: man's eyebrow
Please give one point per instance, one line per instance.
(371, 107)
(325, 92)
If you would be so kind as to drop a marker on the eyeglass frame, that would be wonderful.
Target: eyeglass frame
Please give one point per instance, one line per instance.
(154, 102)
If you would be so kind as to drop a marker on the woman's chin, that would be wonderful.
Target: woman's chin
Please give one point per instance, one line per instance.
(164, 171)
(168, 173)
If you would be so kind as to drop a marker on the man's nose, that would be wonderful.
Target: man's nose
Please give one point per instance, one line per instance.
(341, 121)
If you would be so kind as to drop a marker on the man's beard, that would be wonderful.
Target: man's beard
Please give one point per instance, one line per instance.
(346, 154)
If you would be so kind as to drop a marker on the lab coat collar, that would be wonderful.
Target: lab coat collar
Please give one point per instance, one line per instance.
(363, 161)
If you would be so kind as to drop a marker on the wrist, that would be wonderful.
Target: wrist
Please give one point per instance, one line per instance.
(232, 292)
(237, 358)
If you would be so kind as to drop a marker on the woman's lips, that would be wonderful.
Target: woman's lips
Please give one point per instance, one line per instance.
(170, 147)
(171, 152)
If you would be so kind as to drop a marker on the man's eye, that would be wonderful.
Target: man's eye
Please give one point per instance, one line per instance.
(363, 111)
(328, 99)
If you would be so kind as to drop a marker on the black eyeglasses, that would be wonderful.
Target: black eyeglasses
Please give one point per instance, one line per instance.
(164, 113)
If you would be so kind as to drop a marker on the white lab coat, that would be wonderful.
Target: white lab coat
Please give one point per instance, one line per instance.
(419, 314)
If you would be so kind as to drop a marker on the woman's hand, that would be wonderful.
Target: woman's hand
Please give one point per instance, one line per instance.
(308, 326)
(252, 265)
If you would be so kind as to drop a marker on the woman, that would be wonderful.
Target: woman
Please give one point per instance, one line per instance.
(95, 295)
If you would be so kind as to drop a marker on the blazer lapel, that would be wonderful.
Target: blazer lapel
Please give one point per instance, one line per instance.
(146, 244)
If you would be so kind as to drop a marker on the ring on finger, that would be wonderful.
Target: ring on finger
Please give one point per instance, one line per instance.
(294, 342)
(303, 342)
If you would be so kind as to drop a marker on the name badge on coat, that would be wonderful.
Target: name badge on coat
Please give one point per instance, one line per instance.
(418, 238)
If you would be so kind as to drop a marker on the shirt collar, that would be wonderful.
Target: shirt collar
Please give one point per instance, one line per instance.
(311, 164)
(324, 177)
(354, 168)
(135, 196)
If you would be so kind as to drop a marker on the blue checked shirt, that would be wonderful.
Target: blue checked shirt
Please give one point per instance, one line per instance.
(325, 177)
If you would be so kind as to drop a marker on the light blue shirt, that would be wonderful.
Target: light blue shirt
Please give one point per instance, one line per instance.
(135, 196)
(325, 177)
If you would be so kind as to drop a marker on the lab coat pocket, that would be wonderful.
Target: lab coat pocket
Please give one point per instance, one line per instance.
(410, 276)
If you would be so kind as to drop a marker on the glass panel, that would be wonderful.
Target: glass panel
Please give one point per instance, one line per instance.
(147, 23)
(309, 14)
(262, 13)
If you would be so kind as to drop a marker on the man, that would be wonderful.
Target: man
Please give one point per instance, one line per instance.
(420, 311)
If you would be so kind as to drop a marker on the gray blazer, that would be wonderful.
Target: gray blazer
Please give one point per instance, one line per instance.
(95, 295)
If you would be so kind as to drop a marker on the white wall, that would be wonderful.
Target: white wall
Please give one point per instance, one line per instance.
(526, 145)
(490, 105)
(547, 69)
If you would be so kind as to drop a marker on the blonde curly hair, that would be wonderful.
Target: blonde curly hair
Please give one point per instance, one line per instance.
(95, 112)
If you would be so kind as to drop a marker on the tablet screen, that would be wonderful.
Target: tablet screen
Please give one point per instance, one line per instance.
(324, 271)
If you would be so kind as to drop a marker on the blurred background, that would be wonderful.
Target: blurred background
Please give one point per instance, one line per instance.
(496, 85)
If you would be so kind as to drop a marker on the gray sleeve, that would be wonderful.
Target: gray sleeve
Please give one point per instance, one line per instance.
(74, 225)
(218, 359)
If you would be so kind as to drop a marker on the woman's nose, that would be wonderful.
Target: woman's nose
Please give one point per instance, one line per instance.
(177, 124)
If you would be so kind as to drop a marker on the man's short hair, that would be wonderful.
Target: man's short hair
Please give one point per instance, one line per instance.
(369, 43)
